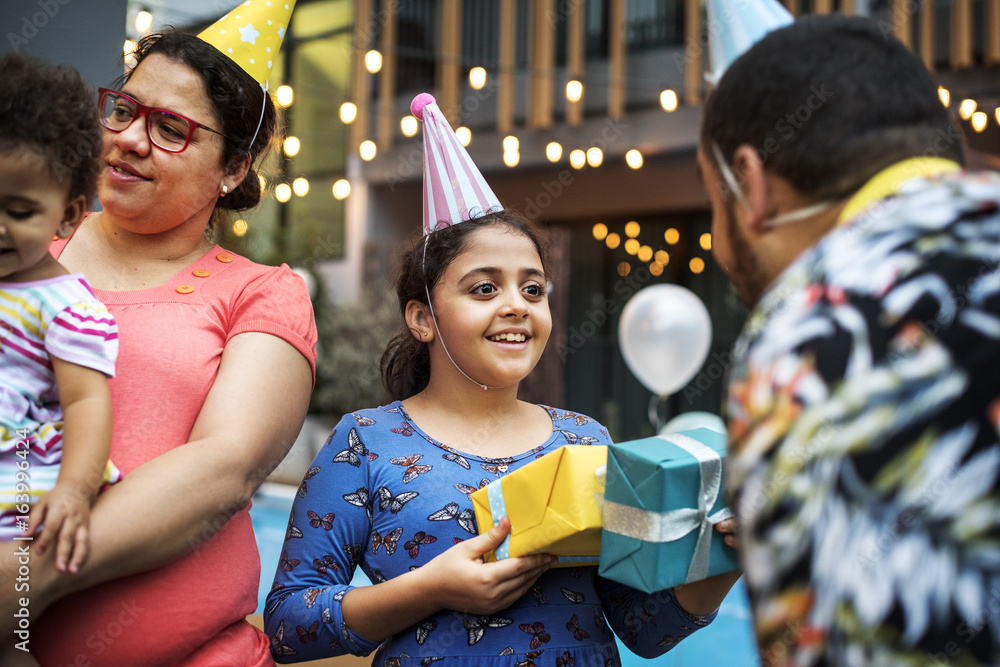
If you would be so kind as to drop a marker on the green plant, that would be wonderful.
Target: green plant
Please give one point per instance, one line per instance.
(351, 339)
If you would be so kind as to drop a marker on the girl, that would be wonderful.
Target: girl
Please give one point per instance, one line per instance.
(389, 491)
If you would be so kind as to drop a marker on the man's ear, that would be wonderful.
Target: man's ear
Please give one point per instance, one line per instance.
(73, 215)
(750, 173)
(419, 321)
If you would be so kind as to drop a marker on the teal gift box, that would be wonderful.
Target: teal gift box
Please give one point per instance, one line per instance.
(662, 497)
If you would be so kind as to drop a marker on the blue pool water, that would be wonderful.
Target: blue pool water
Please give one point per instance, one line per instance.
(728, 641)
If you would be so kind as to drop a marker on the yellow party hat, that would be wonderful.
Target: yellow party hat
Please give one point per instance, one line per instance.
(251, 35)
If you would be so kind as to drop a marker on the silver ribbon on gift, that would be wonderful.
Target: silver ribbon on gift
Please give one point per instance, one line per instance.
(659, 527)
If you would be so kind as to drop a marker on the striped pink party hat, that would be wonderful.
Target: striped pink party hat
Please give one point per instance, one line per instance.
(454, 190)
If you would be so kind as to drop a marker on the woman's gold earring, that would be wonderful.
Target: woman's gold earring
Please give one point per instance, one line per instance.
(225, 190)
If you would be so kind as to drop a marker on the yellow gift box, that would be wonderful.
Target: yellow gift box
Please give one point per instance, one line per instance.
(553, 504)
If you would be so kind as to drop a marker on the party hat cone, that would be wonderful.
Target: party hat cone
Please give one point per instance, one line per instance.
(736, 25)
(454, 190)
(251, 34)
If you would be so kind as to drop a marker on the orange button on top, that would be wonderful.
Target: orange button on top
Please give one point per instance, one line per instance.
(224, 257)
(201, 273)
(184, 289)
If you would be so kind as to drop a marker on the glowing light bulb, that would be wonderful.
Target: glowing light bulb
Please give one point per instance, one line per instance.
(645, 253)
(631, 246)
(240, 227)
(373, 61)
(341, 189)
(624, 268)
(283, 192)
(656, 268)
(143, 22)
(966, 109)
(300, 186)
(697, 265)
(944, 95)
(662, 257)
(510, 143)
(577, 158)
(632, 229)
(348, 112)
(979, 120)
(613, 240)
(574, 90)
(705, 241)
(553, 151)
(511, 158)
(600, 231)
(668, 100)
(292, 146)
(633, 158)
(672, 236)
(285, 96)
(477, 78)
(595, 156)
(464, 135)
(367, 150)
(408, 124)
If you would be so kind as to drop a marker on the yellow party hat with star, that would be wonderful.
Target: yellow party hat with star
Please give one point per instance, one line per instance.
(251, 35)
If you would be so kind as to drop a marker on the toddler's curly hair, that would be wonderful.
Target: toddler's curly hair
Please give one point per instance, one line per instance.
(49, 109)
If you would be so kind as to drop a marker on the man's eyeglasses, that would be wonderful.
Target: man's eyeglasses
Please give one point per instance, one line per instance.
(167, 130)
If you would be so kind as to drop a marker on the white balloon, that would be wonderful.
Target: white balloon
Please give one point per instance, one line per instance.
(664, 334)
(688, 421)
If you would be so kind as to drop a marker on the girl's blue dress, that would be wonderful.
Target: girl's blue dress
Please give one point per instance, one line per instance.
(383, 495)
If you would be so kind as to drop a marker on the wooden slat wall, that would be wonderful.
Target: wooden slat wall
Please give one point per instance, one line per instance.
(991, 34)
(961, 34)
(794, 6)
(902, 27)
(617, 51)
(387, 80)
(574, 57)
(505, 77)
(359, 75)
(542, 60)
(847, 7)
(693, 71)
(449, 58)
(927, 33)
(822, 6)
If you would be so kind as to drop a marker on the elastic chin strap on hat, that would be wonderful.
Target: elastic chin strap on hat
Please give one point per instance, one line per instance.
(770, 223)
(423, 264)
(260, 121)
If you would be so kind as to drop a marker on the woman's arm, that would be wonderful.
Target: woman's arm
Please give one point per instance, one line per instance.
(65, 511)
(165, 507)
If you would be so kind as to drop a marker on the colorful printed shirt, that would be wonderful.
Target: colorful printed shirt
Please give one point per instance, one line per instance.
(863, 415)
(383, 495)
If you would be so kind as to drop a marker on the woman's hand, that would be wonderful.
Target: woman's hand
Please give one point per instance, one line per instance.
(730, 528)
(469, 585)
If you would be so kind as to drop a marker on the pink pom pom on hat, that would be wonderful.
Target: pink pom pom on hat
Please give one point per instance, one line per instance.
(454, 189)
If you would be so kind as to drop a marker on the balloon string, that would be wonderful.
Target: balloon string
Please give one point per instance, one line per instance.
(654, 411)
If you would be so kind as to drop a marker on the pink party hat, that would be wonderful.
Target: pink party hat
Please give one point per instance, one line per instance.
(736, 25)
(454, 190)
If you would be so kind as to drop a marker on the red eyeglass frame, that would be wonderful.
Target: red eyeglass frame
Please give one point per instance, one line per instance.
(143, 110)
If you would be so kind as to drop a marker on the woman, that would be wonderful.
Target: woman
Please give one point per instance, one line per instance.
(214, 376)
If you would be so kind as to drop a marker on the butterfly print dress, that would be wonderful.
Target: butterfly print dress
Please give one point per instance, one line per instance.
(383, 495)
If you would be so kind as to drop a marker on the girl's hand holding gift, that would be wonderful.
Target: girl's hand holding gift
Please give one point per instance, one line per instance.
(465, 583)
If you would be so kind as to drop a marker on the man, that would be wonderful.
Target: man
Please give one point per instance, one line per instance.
(864, 400)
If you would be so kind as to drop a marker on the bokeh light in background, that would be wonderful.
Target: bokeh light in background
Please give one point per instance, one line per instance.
(477, 78)
(240, 227)
(600, 231)
(348, 112)
(668, 100)
(292, 146)
(697, 265)
(574, 90)
(632, 229)
(283, 192)
(300, 186)
(368, 150)
(632, 246)
(633, 158)
(285, 96)
(613, 240)
(672, 236)
(705, 241)
(595, 156)
(624, 268)
(373, 61)
(464, 135)
(341, 189)
(577, 158)
(408, 125)
(553, 151)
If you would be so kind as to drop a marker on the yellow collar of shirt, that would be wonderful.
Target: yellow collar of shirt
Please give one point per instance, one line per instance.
(886, 183)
